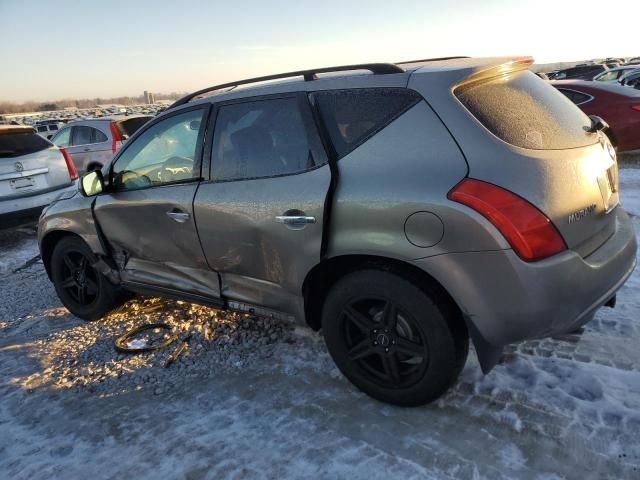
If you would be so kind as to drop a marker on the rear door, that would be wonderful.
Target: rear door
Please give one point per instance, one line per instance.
(260, 216)
(29, 165)
(88, 146)
(147, 213)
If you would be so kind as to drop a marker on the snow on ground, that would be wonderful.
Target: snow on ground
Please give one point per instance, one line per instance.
(256, 398)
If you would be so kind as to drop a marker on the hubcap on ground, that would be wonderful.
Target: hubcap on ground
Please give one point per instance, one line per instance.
(79, 279)
(384, 343)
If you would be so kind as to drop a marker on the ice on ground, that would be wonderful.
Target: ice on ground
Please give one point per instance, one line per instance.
(17, 248)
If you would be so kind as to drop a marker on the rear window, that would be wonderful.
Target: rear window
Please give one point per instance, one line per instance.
(16, 144)
(353, 116)
(128, 127)
(527, 112)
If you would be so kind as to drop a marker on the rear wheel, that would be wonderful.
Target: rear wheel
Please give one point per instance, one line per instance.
(391, 339)
(82, 289)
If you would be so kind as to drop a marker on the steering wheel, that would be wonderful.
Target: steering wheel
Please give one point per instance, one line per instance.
(175, 168)
(137, 180)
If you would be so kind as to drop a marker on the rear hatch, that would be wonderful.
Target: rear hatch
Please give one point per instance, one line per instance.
(29, 164)
(538, 146)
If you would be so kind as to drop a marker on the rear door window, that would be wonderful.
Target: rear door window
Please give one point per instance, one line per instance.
(263, 138)
(81, 135)
(23, 143)
(525, 111)
(353, 116)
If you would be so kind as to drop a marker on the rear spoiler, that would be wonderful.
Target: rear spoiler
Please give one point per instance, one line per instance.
(483, 74)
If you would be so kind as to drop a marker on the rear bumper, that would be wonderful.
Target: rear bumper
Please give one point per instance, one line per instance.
(19, 211)
(507, 300)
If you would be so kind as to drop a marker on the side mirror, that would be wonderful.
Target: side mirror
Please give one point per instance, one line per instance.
(91, 183)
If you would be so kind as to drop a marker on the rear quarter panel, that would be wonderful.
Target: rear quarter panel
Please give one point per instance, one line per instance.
(407, 167)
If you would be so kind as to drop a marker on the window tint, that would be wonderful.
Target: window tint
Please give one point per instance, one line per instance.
(97, 136)
(261, 139)
(128, 127)
(352, 116)
(53, 126)
(81, 135)
(42, 128)
(608, 76)
(164, 153)
(525, 111)
(23, 143)
(62, 138)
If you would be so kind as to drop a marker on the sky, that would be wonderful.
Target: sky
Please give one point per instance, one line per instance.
(58, 49)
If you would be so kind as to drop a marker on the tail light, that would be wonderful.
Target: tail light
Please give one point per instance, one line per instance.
(636, 107)
(73, 173)
(117, 140)
(529, 232)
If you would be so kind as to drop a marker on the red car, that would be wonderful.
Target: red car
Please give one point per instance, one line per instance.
(617, 105)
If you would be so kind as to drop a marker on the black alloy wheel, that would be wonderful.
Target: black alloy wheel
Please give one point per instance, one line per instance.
(384, 342)
(396, 340)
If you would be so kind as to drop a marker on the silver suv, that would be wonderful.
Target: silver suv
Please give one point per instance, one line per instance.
(400, 208)
(92, 142)
(33, 172)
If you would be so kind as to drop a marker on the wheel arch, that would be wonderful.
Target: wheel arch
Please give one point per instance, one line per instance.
(329, 271)
(49, 242)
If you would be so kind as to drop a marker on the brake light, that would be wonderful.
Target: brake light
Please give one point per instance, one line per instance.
(71, 167)
(117, 140)
(636, 107)
(529, 232)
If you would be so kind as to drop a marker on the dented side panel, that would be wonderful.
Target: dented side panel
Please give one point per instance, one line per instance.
(150, 246)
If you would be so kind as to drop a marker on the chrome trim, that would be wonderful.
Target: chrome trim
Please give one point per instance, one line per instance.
(24, 173)
(179, 217)
(591, 97)
(295, 220)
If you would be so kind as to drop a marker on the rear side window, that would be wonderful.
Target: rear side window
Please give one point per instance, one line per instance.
(16, 144)
(575, 96)
(353, 116)
(525, 111)
(262, 138)
(83, 135)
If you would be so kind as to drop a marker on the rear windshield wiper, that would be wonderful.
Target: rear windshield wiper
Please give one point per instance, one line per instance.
(597, 124)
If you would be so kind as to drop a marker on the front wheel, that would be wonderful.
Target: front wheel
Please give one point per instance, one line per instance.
(82, 289)
(391, 339)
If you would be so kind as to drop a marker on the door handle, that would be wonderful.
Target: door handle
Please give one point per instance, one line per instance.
(86, 150)
(295, 220)
(179, 217)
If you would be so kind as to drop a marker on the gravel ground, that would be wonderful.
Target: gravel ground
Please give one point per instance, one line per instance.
(260, 398)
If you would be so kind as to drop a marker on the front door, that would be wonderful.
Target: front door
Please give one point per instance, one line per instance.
(260, 216)
(147, 214)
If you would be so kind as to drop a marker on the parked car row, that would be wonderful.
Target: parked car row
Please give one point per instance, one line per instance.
(33, 172)
(617, 105)
(613, 94)
(603, 72)
(91, 143)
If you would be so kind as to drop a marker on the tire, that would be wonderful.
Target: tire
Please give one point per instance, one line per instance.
(85, 292)
(393, 340)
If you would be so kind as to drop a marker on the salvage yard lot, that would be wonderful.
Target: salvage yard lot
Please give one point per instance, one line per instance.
(260, 398)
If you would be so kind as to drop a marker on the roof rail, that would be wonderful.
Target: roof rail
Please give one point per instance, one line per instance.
(424, 60)
(308, 75)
